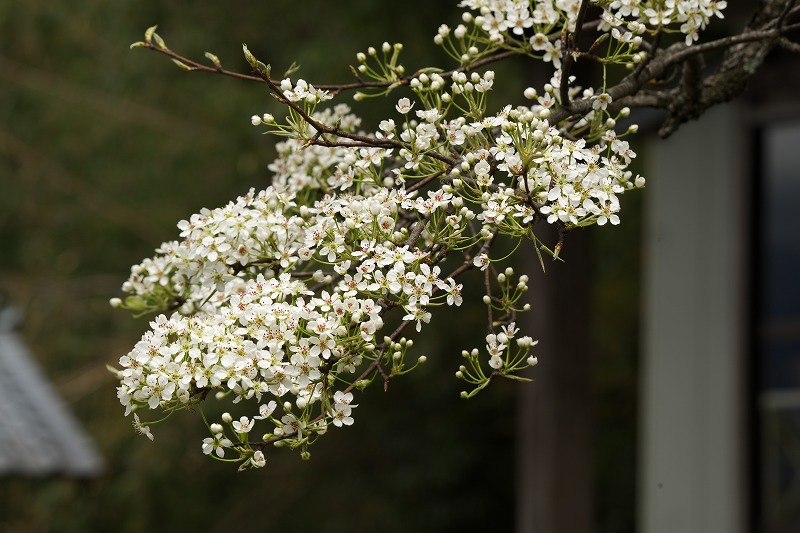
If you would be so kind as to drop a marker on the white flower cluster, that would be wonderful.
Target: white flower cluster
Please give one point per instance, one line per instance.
(532, 23)
(283, 293)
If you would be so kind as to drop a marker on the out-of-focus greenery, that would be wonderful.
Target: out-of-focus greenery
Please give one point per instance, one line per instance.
(102, 151)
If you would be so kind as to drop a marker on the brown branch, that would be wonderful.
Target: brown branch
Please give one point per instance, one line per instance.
(745, 52)
(569, 59)
(194, 66)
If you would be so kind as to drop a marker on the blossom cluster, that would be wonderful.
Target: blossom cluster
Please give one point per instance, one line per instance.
(278, 301)
(531, 25)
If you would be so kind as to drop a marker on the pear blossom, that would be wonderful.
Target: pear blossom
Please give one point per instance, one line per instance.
(276, 298)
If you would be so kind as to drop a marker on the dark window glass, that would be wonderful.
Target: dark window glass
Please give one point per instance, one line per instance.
(778, 331)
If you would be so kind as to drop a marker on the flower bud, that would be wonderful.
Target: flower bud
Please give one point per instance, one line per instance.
(215, 428)
(227, 418)
(422, 359)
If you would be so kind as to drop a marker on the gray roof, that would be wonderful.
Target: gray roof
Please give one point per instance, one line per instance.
(38, 435)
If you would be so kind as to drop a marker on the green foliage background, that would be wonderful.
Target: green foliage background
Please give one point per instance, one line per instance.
(103, 150)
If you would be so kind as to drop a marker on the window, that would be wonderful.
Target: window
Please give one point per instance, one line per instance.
(777, 335)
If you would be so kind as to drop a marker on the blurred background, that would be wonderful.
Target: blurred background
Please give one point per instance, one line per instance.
(104, 149)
